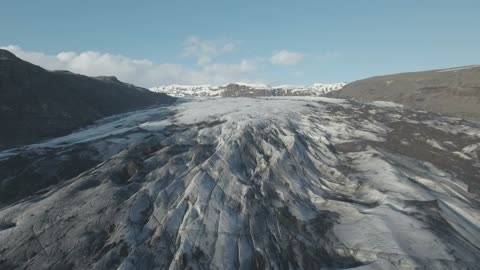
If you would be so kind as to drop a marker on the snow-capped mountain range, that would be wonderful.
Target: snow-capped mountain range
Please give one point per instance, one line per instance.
(245, 89)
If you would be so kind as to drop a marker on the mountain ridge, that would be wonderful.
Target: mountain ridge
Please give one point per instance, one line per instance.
(247, 90)
(452, 91)
(36, 103)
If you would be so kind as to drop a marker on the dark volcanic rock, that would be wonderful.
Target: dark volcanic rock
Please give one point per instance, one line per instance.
(36, 103)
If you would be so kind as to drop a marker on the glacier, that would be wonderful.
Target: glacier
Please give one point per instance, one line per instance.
(248, 183)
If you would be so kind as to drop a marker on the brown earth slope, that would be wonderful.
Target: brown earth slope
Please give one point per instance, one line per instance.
(452, 92)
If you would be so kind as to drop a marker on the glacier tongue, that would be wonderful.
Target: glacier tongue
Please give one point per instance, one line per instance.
(242, 183)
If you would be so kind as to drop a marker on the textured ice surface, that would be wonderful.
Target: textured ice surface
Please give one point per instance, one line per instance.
(245, 183)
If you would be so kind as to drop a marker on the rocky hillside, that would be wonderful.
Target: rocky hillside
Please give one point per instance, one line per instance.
(454, 92)
(247, 90)
(242, 183)
(36, 103)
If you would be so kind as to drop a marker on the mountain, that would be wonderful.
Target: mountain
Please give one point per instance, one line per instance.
(454, 91)
(248, 183)
(36, 103)
(247, 90)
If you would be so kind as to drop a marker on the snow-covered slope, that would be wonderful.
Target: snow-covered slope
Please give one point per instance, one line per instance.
(189, 90)
(245, 89)
(248, 183)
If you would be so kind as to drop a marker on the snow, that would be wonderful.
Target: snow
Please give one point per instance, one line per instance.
(453, 126)
(462, 155)
(218, 90)
(435, 144)
(387, 104)
(472, 150)
(189, 90)
(255, 86)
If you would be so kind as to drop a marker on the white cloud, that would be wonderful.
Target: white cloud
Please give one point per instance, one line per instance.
(205, 51)
(244, 66)
(286, 58)
(140, 72)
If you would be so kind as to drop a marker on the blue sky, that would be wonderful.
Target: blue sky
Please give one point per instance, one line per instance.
(276, 42)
